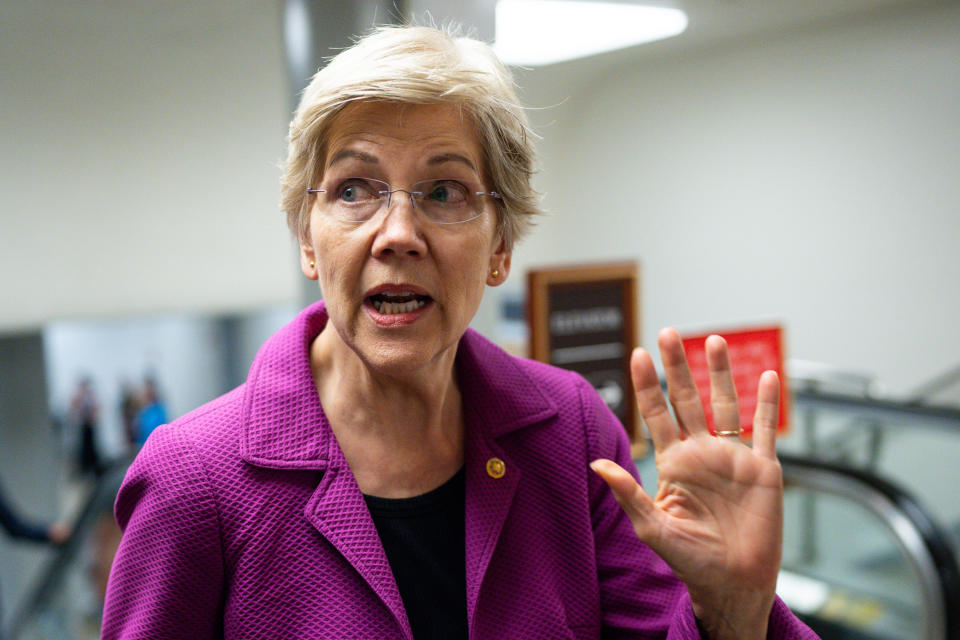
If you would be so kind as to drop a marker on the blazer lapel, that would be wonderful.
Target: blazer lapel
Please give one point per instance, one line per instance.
(487, 503)
(338, 511)
(499, 398)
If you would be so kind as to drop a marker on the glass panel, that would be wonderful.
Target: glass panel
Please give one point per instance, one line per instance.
(916, 452)
(862, 582)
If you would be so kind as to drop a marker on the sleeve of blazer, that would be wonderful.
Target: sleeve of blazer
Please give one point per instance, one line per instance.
(640, 596)
(167, 576)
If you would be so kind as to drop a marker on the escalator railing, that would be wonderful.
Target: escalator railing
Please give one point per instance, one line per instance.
(864, 557)
(912, 444)
(50, 581)
(924, 547)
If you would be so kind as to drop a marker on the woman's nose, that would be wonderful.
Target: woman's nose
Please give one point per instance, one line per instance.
(399, 231)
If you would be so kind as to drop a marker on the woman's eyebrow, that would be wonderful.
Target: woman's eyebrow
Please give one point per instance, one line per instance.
(352, 153)
(442, 158)
(450, 157)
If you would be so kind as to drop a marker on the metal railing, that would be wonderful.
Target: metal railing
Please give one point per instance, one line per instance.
(50, 578)
(922, 542)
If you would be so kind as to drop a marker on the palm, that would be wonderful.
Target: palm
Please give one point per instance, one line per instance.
(718, 512)
(717, 517)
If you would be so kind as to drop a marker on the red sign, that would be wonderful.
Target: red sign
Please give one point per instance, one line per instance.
(752, 351)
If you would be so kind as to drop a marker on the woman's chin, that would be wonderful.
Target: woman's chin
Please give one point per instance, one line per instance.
(401, 358)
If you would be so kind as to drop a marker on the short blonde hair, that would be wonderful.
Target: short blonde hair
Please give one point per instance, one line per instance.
(418, 65)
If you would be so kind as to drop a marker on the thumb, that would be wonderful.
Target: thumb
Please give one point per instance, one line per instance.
(629, 495)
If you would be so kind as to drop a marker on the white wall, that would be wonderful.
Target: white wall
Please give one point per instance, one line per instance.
(809, 178)
(138, 167)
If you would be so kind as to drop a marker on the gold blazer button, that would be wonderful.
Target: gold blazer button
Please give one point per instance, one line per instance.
(496, 468)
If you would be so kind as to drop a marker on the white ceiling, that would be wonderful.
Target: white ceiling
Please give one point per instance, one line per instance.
(712, 22)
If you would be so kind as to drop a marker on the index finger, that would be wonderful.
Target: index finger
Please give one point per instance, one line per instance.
(650, 400)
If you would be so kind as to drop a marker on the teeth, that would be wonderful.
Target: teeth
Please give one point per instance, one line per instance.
(390, 308)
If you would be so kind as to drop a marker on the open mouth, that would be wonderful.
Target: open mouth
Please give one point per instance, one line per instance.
(390, 303)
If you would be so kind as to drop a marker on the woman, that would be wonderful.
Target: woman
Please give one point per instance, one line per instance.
(385, 472)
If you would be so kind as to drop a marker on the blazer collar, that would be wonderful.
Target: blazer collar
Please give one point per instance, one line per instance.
(284, 426)
(282, 423)
(496, 389)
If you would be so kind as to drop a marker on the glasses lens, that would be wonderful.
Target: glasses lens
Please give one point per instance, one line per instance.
(445, 201)
(355, 199)
(448, 201)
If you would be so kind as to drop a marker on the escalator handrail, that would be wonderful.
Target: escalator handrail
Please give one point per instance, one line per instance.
(100, 497)
(884, 410)
(927, 547)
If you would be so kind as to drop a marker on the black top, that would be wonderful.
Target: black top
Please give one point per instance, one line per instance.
(423, 537)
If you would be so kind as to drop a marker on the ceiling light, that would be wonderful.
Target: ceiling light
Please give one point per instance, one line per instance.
(540, 32)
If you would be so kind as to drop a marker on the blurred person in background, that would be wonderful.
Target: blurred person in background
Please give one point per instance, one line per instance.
(152, 412)
(84, 413)
(386, 472)
(128, 408)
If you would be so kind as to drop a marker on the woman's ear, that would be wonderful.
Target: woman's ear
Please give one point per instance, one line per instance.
(499, 265)
(308, 260)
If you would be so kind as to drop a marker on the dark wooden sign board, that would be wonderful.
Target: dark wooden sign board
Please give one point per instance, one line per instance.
(585, 318)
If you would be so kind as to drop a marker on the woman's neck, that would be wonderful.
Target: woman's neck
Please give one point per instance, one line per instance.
(402, 435)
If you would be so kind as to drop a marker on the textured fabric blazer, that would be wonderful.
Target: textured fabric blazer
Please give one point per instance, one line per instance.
(242, 519)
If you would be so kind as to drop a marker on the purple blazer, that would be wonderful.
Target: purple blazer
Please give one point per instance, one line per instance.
(242, 518)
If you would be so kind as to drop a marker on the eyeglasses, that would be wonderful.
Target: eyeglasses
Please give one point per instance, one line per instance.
(442, 201)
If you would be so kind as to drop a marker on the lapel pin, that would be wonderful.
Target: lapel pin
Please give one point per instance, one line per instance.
(496, 468)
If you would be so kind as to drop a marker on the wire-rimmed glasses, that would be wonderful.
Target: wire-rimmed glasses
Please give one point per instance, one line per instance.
(441, 201)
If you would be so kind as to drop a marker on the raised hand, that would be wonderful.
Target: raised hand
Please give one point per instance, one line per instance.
(717, 518)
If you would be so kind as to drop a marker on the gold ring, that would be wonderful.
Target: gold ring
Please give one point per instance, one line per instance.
(727, 432)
